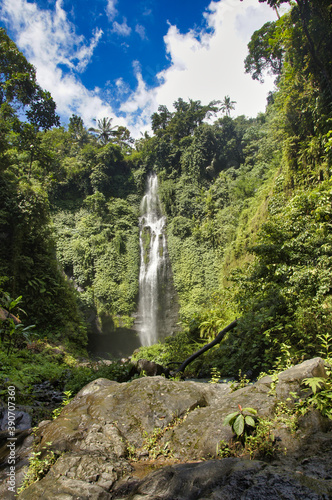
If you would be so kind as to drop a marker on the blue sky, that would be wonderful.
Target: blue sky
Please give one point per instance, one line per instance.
(123, 58)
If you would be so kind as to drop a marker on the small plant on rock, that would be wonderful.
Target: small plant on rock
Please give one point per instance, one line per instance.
(241, 422)
(262, 443)
(152, 443)
(67, 398)
(225, 450)
(243, 381)
(38, 467)
(215, 375)
(322, 394)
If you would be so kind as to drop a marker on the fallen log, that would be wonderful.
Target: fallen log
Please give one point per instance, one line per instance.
(218, 339)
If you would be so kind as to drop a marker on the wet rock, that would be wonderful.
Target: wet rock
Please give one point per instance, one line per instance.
(22, 420)
(95, 386)
(23, 448)
(228, 479)
(45, 393)
(313, 421)
(201, 432)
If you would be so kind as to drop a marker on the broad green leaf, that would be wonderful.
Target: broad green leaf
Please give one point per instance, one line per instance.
(250, 421)
(230, 417)
(250, 410)
(238, 425)
(14, 303)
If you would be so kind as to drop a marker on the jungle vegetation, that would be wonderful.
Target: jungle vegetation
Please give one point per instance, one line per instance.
(248, 203)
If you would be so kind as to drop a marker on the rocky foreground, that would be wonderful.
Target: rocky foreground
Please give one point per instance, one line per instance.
(154, 438)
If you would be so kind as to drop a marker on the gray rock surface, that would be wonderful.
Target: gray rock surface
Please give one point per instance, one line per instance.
(107, 421)
(227, 479)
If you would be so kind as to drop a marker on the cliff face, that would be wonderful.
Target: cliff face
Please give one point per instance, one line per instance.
(113, 435)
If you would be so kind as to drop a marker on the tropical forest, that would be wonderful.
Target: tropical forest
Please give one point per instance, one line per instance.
(247, 207)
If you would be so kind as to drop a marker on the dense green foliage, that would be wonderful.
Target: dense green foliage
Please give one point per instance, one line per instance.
(68, 213)
(248, 204)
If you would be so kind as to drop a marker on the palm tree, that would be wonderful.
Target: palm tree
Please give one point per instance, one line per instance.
(227, 105)
(77, 130)
(104, 131)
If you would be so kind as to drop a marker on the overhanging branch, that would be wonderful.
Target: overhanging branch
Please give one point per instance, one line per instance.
(218, 339)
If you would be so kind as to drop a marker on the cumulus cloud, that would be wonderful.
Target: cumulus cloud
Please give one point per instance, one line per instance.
(47, 36)
(208, 65)
(203, 65)
(49, 41)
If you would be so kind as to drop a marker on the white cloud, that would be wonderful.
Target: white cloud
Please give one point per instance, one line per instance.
(138, 100)
(85, 53)
(210, 65)
(49, 40)
(207, 65)
(141, 31)
(47, 37)
(111, 11)
(121, 29)
(204, 65)
(121, 85)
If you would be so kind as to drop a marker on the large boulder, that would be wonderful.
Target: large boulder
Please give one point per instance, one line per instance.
(108, 423)
(290, 380)
(110, 414)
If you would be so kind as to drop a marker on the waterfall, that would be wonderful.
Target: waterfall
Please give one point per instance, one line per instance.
(153, 268)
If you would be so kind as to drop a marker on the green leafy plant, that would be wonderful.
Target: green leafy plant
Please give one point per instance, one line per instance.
(208, 329)
(287, 412)
(262, 442)
(152, 443)
(241, 422)
(12, 332)
(225, 450)
(66, 400)
(322, 394)
(326, 344)
(39, 466)
(132, 452)
(215, 375)
(257, 443)
(243, 381)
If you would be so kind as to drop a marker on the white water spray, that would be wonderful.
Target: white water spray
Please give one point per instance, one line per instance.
(153, 263)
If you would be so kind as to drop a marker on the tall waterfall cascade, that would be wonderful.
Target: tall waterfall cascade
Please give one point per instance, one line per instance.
(156, 294)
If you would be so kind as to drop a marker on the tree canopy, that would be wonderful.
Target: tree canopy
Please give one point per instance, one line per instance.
(18, 86)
